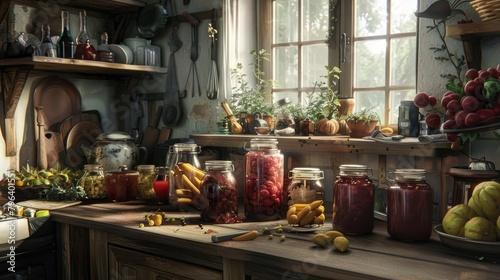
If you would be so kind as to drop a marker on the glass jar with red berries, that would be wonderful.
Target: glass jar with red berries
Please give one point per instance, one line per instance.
(353, 200)
(219, 193)
(264, 192)
(409, 205)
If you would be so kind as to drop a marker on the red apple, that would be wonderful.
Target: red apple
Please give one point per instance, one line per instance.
(472, 73)
(493, 71)
(469, 103)
(472, 119)
(486, 116)
(460, 118)
(433, 120)
(485, 74)
(450, 114)
(421, 99)
(454, 106)
(479, 80)
(472, 87)
(450, 124)
(448, 93)
(432, 101)
(452, 137)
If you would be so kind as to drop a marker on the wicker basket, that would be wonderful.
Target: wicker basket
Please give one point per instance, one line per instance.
(488, 10)
(23, 193)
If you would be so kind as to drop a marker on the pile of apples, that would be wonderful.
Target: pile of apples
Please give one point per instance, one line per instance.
(476, 104)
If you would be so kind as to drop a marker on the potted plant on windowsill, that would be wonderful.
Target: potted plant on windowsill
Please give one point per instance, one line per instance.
(361, 123)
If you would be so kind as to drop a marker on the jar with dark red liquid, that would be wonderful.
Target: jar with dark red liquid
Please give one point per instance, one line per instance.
(121, 184)
(219, 193)
(409, 208)
(264, 180)
(353, 200)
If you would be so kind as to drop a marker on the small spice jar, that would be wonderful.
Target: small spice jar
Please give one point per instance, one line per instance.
(353, 200)
(161, 184)
(93, 182)
(305, 185)
(264, 180)
(147, 176)
(409, 205)
(219, 193)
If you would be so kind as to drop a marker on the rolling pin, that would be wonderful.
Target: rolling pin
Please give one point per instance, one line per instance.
(236, 128)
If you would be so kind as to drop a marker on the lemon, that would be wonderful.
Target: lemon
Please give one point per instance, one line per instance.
(42, 213)
(341, 243)
(156, 218)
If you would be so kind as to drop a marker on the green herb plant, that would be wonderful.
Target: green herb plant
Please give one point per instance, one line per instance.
(365, 115)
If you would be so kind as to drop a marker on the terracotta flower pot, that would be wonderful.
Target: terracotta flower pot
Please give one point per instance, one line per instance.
(360, 129)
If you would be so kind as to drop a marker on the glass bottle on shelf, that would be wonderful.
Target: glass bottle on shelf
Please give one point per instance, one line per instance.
(84, 49)
(353, 200)
(47, 48)
(103, 52)
(264, 191)
(65, 43)
(219, 193)
(409, 205)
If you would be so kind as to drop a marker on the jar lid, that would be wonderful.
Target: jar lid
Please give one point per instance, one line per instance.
(306, 173)
(353, 169)
(410, 174)
(185, 147)
(225, 165)
(92, 166)
(146, 168)
(263, 143)
(162, 169)
(115, 136)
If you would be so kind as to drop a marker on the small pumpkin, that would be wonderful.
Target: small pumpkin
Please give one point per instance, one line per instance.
(327, 126)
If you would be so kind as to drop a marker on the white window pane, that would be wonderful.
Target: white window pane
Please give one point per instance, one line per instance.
(286, 18)
(314, 19)
(313, 64)
(403, 61)
(371, 17)
(285, 67)
(373, 101)
(395, 100)
(369, 57)
(403, 18)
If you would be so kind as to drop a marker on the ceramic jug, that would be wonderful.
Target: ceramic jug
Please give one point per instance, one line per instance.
(115, 149)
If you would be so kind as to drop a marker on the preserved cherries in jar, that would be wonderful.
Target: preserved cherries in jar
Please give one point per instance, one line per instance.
(219, 193)
(263, 180)
(353, 200)
(409, 206)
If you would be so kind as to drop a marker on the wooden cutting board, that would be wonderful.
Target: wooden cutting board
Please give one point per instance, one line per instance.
(87, 116)
(54, 148)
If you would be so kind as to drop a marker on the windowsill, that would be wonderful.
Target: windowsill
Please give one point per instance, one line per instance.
(409, 146)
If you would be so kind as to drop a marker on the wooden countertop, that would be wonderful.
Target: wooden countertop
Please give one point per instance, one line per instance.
(371, 256)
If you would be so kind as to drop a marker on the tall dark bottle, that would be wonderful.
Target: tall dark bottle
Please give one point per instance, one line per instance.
(65, 44)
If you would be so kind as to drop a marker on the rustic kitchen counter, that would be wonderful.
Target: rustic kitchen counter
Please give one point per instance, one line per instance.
(93, 235)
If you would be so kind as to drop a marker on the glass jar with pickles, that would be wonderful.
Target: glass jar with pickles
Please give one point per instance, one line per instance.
(147, 176)
(185, 174)
(93, 181)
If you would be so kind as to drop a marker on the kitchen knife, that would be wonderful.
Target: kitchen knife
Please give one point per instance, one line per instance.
(227, 236)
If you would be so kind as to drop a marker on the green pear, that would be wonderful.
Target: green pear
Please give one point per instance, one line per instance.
(481, 229)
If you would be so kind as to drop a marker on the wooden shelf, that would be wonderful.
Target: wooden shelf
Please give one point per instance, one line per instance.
(341, 144)
(471, 34)
(51, 64)
(108, 6)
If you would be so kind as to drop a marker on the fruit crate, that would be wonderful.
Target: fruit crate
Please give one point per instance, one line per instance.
(488, 10)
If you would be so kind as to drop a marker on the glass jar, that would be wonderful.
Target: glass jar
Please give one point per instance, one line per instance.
(409, 208)
(305, 185)
(185, 174)
(93, 181)
(219, 193)
(84, 49)
(284, 125)
(147, 176)
(161, 184)
(353, 200)
(121, 184)
(263, 180)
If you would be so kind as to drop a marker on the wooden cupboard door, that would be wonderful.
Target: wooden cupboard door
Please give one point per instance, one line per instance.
(125, 264)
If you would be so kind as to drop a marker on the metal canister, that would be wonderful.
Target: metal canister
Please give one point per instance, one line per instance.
(408, 123)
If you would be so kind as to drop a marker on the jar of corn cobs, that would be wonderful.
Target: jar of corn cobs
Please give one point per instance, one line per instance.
(93, 181)
(147, 176)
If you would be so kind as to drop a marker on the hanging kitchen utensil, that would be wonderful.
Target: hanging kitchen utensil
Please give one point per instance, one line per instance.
(152, 131)
(42, 152)
(171, 107)
(136, 132)
(194, 55)
(151, 19)
(213, 77)
(175, 43)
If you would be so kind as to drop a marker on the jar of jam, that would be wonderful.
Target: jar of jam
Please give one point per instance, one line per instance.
(161, 184)
(263, 180)
(93, 182)
(353, 200)
(121, 184)
(305, 185)
(409, 205)
(219, 193)
(185, 174)
(147, 176)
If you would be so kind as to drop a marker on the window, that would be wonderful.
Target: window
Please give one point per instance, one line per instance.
(372, 41)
